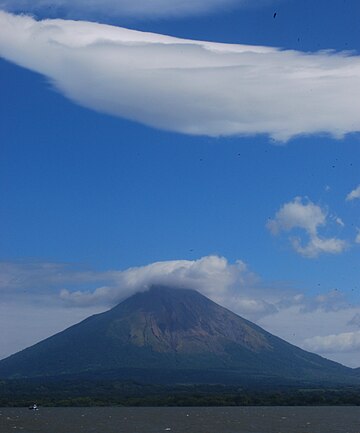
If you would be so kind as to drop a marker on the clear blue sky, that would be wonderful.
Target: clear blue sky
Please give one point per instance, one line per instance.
(89, 189)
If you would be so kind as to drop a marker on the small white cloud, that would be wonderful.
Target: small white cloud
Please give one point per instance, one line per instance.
(254, 308)
(354, 194)
(309, 217)
(317, 246)
(330, 301)
(188, 86)
(357, 238)
(345, 342)
(339, 221)
(297, 214)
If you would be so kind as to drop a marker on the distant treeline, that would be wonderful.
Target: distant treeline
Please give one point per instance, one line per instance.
(114, 393)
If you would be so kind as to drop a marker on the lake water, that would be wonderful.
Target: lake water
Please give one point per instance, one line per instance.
(182, 420)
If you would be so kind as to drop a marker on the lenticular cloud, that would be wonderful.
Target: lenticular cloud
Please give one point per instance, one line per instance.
(191, 87)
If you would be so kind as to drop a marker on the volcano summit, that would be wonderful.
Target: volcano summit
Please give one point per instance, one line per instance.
(173, 335)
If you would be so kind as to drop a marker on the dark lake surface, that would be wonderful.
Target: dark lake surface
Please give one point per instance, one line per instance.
(181, 420)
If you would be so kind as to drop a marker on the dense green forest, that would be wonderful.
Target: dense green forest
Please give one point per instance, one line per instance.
(116, 393)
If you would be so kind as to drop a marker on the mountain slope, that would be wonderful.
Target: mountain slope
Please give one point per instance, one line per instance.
(174, 330)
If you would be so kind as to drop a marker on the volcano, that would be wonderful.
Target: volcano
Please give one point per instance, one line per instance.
(174, 335)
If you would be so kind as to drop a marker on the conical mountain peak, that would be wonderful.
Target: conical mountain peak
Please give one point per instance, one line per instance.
(184, 321)
(171, 329)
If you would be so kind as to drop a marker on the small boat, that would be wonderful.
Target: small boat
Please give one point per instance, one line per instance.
(33, 407)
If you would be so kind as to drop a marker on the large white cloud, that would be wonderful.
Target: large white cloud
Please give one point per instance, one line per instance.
(305, 215)
(191, 87)
(125, 8)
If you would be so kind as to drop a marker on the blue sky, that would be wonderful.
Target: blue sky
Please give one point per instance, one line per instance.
(262, 219)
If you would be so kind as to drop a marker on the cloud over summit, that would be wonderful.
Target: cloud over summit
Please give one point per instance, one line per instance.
(212, 275)
(191, 87)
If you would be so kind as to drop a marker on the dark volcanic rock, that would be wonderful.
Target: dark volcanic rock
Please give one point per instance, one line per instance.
(174, 330)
